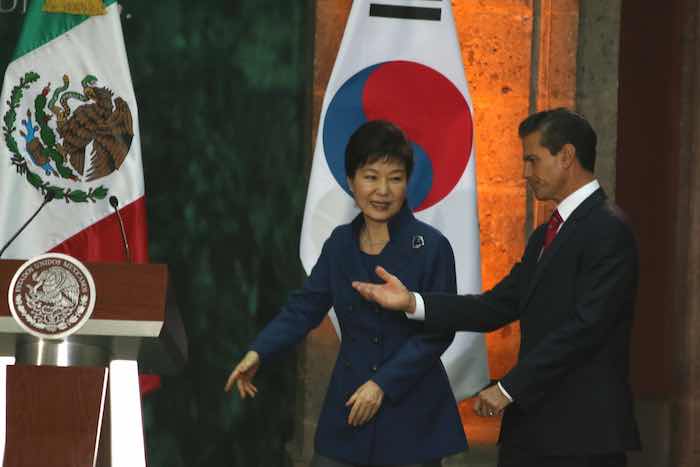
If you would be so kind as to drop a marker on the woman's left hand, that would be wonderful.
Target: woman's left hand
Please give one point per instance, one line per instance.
(365, 403)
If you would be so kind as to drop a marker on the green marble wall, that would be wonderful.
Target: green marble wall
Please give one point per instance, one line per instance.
(222, 88)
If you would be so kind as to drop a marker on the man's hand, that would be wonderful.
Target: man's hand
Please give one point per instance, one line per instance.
(243, 375)
(392, 294)
(491, 402)
(365, 403)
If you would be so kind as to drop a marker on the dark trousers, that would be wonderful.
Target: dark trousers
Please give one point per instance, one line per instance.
(510, 457)
(320, 461)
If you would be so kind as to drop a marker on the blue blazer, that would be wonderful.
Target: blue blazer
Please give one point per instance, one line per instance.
(418, 420)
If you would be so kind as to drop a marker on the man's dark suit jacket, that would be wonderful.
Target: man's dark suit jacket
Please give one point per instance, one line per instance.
(575, 305)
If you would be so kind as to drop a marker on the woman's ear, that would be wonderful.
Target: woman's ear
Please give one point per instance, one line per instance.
(350, 182)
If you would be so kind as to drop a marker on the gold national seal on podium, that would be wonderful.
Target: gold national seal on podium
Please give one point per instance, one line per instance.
(51, 296)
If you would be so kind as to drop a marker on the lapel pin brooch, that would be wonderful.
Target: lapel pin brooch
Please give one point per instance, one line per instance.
(418, 241)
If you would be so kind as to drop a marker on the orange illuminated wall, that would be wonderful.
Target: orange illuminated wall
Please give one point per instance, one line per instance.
(496, 52)
(518, 55)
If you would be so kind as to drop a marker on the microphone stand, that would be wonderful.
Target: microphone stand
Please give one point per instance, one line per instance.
(50, 195)
(114, 202)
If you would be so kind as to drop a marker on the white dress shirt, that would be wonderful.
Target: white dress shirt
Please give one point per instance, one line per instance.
(567, 206)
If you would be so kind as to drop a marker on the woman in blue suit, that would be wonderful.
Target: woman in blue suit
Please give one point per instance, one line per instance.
(389, 401)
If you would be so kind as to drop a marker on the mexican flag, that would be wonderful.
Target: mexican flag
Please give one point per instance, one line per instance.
(70, 128)
(402, 63)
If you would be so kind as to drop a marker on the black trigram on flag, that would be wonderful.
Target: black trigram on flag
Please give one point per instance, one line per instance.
(381, 10)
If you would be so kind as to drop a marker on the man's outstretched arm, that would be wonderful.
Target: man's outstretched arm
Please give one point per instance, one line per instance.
(448, 312)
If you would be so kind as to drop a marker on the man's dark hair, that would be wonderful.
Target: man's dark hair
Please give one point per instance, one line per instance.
(560, 126)
(377, 140)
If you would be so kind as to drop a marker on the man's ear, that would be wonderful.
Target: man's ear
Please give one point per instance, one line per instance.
(567, 154)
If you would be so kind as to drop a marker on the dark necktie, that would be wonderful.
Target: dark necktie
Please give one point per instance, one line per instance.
(552, 228)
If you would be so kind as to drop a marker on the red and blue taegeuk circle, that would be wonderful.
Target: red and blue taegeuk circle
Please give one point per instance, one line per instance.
(426, 105)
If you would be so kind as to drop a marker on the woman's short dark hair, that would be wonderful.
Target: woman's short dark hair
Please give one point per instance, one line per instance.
(377, 140)
(559, 127)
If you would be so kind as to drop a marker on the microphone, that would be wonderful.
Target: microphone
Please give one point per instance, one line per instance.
(48, 197)
(114, 202)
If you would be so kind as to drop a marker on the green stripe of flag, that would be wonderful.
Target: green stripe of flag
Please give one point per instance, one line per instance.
(40, 27)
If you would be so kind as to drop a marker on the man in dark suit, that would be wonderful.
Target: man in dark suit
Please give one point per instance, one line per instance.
(567, 402)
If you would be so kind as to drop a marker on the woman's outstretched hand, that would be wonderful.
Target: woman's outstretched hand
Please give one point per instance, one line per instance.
(392, 294)
(365, 403)
(243, 375)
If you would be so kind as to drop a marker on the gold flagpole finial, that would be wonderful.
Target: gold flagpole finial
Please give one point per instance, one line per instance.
(75, 7)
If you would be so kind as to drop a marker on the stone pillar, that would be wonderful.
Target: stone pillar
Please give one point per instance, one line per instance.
(685, 408)
(597, 99)
(554, 74)
(596, 80)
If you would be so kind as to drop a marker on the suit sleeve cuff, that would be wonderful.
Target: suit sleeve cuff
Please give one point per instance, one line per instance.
(419, 313)
(505, 393)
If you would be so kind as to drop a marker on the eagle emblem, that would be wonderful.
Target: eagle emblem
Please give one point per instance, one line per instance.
(68, 136)
(51, 296)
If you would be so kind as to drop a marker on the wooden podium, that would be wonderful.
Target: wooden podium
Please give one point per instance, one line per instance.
(66, 405)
